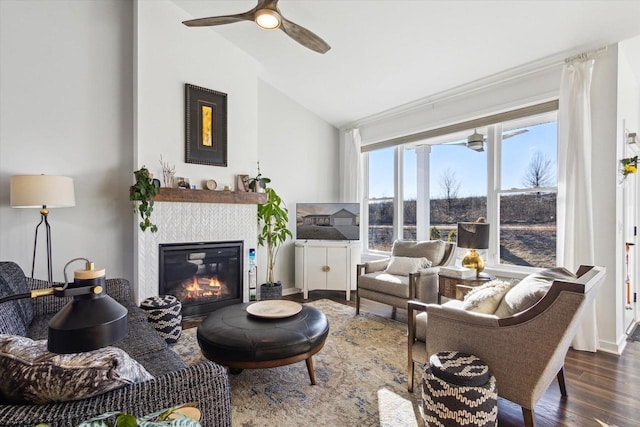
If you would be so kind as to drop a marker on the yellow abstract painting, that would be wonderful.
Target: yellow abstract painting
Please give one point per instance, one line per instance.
(207, 124)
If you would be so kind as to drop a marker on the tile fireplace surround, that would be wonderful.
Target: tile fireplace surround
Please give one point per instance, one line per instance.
(186, 216)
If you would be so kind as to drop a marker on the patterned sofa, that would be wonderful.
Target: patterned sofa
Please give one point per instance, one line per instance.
(174, 382)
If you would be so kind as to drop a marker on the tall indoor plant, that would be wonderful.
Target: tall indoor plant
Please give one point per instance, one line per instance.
(273, 218)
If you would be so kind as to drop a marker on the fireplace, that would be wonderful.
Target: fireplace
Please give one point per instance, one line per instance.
(204, 276)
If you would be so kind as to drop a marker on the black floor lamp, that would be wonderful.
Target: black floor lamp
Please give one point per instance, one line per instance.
(42, 192)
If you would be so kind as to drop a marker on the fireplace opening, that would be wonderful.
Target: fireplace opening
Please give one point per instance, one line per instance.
(204, 276)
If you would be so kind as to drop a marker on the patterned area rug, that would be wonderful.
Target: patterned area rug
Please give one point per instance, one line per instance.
(361, 377)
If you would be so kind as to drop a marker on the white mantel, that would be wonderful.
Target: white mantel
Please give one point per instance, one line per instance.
(189, 222)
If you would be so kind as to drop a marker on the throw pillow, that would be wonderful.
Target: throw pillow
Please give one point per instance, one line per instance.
(530, 290)
(433, 250)
(402, 266)
(32, 374)
(486, 298)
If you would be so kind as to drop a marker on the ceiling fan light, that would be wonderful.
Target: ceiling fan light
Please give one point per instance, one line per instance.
(268, 19)
(475, 141)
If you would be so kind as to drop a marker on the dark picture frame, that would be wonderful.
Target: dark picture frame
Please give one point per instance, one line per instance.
(205, 126)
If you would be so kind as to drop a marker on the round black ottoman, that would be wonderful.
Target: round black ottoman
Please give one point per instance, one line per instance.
(165, 314)
(232, 337)
(458, 390)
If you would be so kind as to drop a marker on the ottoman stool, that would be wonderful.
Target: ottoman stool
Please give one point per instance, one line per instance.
(165, 314)
(458, 390)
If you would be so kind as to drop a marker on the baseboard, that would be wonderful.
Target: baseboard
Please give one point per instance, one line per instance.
(613, 348)
(291, 291)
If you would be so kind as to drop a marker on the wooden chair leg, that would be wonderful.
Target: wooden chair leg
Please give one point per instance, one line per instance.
(529, 417)
(393, 313)
(561, 383)
(410, 376)
(357, 304)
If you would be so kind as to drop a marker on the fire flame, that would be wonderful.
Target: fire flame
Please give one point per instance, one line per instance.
(195, 290)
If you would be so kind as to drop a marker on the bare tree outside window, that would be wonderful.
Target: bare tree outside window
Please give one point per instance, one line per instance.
(449, 184)
(539, 173)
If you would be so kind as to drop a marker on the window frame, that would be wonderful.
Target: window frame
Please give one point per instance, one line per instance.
(494, 190)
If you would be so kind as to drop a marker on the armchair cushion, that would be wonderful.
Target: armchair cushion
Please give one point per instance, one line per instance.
(33, 374)
(402, 266)
(433, 250)
(385, 283)
(530, 290)
(486, 298)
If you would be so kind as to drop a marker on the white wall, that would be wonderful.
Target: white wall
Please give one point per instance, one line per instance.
(299, 152)
(606, 194)
(505, 92)
(168, 55)
(66, 108)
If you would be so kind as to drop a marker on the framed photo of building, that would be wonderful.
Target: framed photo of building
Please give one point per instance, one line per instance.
(205, 126)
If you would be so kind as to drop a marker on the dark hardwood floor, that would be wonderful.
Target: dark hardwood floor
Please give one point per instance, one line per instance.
(603, 389)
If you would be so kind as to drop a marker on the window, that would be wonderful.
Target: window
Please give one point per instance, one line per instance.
(380, 204)
(512, 183)
(527, 193)
(458, 187)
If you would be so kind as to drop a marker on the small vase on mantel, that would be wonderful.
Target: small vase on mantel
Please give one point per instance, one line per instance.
(270, 292)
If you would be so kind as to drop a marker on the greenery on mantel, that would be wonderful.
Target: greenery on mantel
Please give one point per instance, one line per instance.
(274, 217)
(142, 194)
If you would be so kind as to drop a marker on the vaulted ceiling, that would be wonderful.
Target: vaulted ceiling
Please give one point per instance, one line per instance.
(385, 53)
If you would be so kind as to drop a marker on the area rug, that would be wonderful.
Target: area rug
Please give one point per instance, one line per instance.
(635, 334)
(361, 376)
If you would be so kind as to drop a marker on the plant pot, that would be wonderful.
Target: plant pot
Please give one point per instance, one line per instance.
(270, 292)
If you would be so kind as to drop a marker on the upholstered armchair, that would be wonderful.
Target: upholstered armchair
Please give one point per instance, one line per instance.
(524, 342)
(410, 273)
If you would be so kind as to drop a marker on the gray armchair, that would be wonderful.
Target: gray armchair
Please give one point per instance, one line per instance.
(376, 283)
(524, 350)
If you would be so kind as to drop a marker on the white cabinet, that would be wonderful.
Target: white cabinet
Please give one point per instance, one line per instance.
(326, 266)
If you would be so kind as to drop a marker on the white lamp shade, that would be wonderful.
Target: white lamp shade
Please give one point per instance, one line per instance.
(36, 191)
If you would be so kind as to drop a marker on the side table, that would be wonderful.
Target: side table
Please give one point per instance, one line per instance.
(447, 285)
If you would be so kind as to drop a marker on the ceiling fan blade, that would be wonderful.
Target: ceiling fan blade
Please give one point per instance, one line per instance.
(514, 133)
(305, 37)
(219, 20)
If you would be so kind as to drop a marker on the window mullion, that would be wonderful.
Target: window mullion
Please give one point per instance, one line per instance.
(423, 212)
(494, 158)
(364, 210)
(398, 196)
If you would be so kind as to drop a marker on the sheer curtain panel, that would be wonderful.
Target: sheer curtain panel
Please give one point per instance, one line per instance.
(351, 167)
(575, 207)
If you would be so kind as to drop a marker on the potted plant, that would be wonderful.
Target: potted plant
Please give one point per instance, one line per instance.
(141, 194)
(259, 183)
(273, 216)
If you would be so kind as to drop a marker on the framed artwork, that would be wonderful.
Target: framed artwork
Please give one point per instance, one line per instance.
(242, 183)
(206, 126)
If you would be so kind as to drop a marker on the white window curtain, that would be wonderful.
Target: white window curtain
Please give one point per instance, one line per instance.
(351, 167)
(575, 209)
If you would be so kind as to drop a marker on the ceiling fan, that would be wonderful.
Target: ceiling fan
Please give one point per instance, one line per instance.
(476, 140)
(267, 16)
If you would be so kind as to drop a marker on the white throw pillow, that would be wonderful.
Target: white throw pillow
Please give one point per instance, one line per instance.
(530, 290)
(402, 266)
(486, 298)
(32, 374)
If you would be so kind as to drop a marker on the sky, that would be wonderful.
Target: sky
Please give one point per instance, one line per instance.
(469, 167)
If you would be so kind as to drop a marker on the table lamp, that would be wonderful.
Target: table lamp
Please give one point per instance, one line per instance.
(91, 320)
(473, 236)
(42, 192)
